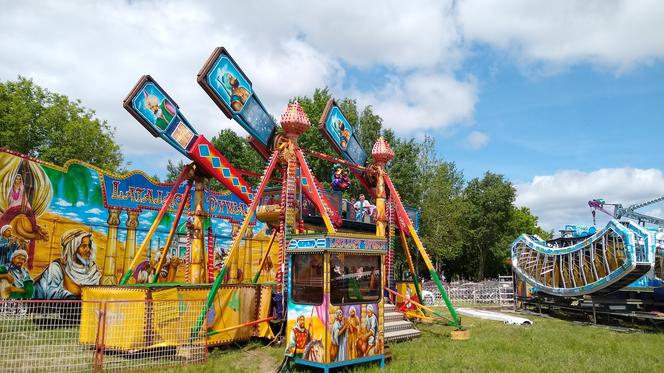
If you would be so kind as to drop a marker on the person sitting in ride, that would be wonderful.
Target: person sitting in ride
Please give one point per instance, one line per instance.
(340, 180)
(362, 208)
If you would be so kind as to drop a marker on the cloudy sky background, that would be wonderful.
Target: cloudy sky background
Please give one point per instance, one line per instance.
(562, 97)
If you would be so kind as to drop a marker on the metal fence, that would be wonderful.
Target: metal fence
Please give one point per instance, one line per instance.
(498, 293)
(77, 336)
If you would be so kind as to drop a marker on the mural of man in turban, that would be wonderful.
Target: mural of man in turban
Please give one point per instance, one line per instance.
(17, 282)
(339, 347)
(371, 328)
(8, 243)
(299, 337)
(64, 277)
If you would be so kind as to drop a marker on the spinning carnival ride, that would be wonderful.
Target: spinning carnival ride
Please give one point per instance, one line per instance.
(327, 265)
(619, 266)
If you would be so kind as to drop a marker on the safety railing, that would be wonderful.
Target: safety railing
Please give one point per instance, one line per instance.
(81, 336)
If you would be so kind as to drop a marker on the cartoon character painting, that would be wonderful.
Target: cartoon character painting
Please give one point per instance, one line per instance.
(163, 110)
(238, 94)
(63, 278)
(344, 134)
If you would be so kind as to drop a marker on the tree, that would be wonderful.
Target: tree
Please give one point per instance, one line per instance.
(173, 170)
(369, 128)
(238, 150)
(490, 207)
(443, 211)
(54, 128)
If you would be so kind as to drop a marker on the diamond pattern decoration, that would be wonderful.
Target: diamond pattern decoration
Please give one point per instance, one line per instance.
(216, 162)
(204, 150)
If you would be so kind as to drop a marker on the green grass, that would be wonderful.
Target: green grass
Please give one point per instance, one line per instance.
(550, 345)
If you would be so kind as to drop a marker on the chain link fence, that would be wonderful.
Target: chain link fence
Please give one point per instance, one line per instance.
(78, 336)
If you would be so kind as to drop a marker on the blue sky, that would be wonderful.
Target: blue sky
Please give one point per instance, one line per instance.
(582, 118)
(562, 97)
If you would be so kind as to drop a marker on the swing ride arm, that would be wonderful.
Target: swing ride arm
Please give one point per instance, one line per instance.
(182, 136)
(406, 251)
(183, 175)
(267, 254)
(403, 216)
(272, 163)
(174, 225)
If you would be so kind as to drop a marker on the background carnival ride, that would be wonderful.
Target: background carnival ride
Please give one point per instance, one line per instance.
(301, 207)
(616, 270)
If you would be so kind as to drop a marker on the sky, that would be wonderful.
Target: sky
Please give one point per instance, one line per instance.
(563, 97)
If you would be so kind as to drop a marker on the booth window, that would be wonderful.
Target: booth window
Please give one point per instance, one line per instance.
(307, 285)
(354, 278)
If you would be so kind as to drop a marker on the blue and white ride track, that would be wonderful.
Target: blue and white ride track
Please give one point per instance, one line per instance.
(619, 255)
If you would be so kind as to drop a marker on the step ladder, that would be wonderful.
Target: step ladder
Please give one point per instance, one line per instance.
(506, 292)
(397, 328)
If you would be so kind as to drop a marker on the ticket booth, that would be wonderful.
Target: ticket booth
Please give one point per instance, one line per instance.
(335, 303)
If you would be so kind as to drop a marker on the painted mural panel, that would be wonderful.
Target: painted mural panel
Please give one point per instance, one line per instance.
(306, 331)
(355, 331)
(231, 90)
(339, 132)
(66, 227)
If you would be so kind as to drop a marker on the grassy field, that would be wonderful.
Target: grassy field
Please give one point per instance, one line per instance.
(550, 345)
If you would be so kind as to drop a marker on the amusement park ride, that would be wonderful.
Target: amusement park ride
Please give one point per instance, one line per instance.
(617, 270)
(332, 273)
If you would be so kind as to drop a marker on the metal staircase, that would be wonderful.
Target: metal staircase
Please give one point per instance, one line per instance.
(396, 327)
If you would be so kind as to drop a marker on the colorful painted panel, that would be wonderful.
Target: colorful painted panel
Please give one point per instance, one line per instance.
(355, 331)
(216, 165)
(65, 227)
(231, 90)
(306, 332)
(135, 191)
(339, 132)
(159, 114)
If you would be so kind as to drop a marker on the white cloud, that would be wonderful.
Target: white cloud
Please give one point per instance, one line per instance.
(562, 198)
(422, 101)
(80, 203)
(477, 140)
(617, 34)
(95, 219)
(364, 33)
(95, 211)
(96, 51)
(63, 203)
